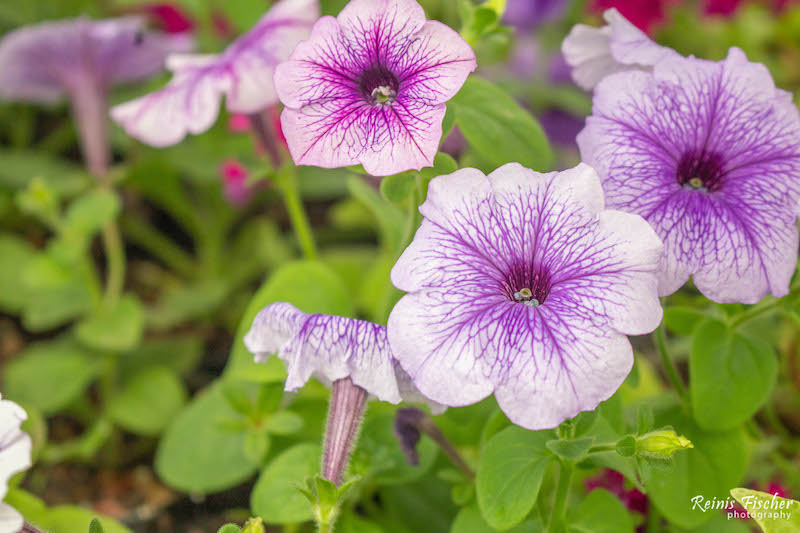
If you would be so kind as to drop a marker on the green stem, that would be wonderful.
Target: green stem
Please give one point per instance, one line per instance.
(558, 516)
(669, 366)
(601, 448)
(287, 182)
(763, 307)
(115, 257)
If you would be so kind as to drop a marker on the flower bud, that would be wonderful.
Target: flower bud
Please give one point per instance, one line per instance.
(254, 525)
(661, 444)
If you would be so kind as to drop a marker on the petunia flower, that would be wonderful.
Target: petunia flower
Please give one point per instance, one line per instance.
(523, 285)
(526, 15)
(709, 154)
(370, 87)
(15, 456)
(190, 102)
(594, 53)
(351, 356)
(80, 59)
(644, 14)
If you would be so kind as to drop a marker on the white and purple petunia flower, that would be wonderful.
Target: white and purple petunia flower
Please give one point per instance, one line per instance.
(48, 61)
(369, 87)
(523, 285)
(331, 348)
(15, 456)
(243, 73)
(594, 53)
(709, 154)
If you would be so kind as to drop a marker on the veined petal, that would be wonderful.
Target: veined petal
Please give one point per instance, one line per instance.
(15, 445)
(191, 101)
(330, 348)
(709, 154)
(369, 87)
(596, 53)
(520, 283)
(10, 519)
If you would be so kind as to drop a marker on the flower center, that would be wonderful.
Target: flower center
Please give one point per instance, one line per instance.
(700, 171)
(528, 285)
(379, 86)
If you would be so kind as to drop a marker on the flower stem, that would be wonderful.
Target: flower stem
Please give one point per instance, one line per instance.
(669, 366)
(410, 422)
(115, 255)
(89, 107)
(557, 517)
(344, 418)
(287, 182)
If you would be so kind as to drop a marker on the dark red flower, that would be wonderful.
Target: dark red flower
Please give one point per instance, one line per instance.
(644, 14)
(169, 17)
(614, 482)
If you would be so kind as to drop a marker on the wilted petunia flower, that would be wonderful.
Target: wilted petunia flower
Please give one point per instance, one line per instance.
(242, 73)
(370, 87)
(522, 284)
(594, 53)
(709, 153)
(328, 348)
(80, 59)
(15, 456)
(352, 356)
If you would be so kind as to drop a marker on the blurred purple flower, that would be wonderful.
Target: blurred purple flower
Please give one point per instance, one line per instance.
(709, 154)
(561, 126)
(526, 15)
(81, 58)
(370, 87)
(522, 284)
(330, 348)
(594, 53)
(45, 62)
(15, 456)
(243, 73)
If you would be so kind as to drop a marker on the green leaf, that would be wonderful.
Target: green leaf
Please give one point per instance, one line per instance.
(229, 528)
(180, 353)
(197, 453)
(117, 329)
(350, 522)
(95, 526)
(183, 303)
(572, 450)
(510, 474)
(310, 286)
(626, 446)
(52, 306)
(19, 166)
(600, 512)
(469, 520)
(379, 458)
(256, 445)
(773, 514)
(731, 375)
(498, 128)
(713, 467)
(89, 213)
(398, 187)
(274, 497)
(148, 402)
(72, 519)
(15, 254)
(683, 320)
(284, 423)
(49, 375)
